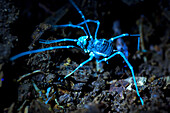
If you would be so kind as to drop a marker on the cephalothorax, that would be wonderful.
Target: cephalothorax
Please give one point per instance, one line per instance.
(90, 44)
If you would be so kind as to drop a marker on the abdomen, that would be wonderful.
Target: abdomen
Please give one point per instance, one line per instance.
(102, 47)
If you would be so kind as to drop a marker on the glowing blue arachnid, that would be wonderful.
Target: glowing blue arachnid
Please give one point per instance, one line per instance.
(100, 47)
(94, 47)
(82, 41)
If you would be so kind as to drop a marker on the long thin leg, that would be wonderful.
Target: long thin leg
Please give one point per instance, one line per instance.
(39, 50)
(55, 41)
(70, 25)
(74, 26)
(91, 57)
(79, 26)
(138, 35)
(138, 44)
(82, 16)
(131, 68)
(94, 21)
(126, 34)
(123, 35)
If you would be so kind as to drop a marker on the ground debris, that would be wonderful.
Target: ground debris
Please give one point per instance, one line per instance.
(37, 106)
(107, 88)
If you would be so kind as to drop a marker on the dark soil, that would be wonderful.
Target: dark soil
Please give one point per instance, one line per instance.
(35, 83)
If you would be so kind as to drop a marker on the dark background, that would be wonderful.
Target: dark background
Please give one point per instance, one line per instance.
(34, 12)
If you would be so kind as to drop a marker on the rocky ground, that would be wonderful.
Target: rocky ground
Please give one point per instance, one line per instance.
(35, 83)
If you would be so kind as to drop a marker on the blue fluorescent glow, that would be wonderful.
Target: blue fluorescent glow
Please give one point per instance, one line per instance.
(119, 36)
(39, 50)
(138, 44)
(94, 21)
(55, 41)
(81, 16)
(126, 34)
(91, 57)
(2, 79)
(131, 68)
(138, 35)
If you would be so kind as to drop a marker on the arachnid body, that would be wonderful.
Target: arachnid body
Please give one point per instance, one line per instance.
(96, 48)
